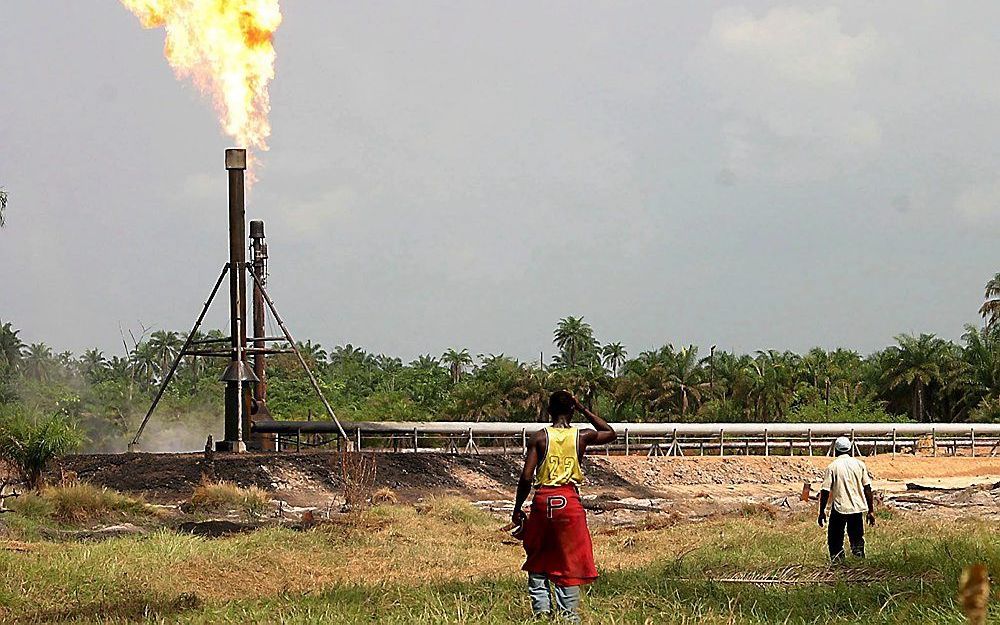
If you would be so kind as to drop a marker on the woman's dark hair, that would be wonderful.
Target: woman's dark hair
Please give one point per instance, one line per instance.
(560, 403)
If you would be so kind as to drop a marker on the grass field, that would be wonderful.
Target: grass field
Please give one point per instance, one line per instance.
(445, 562)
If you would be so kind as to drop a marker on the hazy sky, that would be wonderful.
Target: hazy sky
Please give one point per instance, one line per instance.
(463, 174)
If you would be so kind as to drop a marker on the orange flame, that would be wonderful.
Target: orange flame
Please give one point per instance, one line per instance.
(225, 47)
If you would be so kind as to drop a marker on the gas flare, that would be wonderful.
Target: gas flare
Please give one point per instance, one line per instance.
(225, 48)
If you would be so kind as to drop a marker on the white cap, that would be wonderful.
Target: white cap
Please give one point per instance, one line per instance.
(842, 444)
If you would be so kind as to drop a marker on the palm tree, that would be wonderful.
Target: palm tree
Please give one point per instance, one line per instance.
(312, 351)
(165, 346)
(426, 362)
(457, 362)
(575, 339)
(982, 352)
(613, 357)
(11, 347)
(92, 364)
(119, 368)
(990, 310)
(38, 361)
(144, 362)
(684, 376)
(341, 355)
(772, 380)
(391, 367)
(915, 363)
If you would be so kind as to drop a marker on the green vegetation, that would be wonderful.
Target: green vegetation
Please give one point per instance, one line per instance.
(920, 377)
(28, 442)
(446, 563)
(79, 503)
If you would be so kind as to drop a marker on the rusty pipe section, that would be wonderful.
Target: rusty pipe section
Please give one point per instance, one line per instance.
(238, 373)
(258, 266)
(258, 251)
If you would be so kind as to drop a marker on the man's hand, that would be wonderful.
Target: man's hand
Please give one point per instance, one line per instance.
(576, 402)
(871, 519)
(821, 519)
(518, 517)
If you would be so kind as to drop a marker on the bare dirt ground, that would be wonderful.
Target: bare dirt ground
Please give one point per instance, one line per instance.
(620, 490)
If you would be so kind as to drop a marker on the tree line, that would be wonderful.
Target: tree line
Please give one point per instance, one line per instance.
(919, 377)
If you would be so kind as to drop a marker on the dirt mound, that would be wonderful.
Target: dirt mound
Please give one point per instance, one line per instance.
(304, 476)
(315, 476)
(661, 472)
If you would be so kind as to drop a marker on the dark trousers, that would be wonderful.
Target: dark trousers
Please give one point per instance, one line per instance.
(855, 525)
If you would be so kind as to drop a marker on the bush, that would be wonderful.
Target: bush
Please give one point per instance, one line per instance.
(842, 412)
(225, 496)
(78, 503)
(29, 442)
(719, 411)
(84, 502)
(32, 505)
(988, 411)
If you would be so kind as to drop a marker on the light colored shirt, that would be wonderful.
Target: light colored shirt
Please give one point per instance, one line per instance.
(561, 464)
(845, 479)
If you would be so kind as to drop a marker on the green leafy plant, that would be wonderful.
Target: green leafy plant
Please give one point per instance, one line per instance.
(29, 442)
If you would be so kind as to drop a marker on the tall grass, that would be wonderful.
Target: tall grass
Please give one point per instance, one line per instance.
(213, 497)
(78, 503)
(447, 562)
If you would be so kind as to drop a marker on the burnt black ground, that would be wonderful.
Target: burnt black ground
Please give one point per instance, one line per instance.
(168, 477)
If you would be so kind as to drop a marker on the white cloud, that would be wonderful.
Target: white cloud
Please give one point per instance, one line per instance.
(788, 87)
(794, 45)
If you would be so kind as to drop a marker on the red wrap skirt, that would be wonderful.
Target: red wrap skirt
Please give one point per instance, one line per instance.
(556, 538)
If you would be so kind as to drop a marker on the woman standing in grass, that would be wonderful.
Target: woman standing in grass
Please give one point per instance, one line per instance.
(556, 538)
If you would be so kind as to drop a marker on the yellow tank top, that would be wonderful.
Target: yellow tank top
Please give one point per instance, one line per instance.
(561, 464)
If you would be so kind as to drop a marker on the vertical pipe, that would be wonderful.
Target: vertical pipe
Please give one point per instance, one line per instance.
(627, 442)
(972, 434)
(934, 440)
(767, 444)
(524, 442)
(236, 421)
(359, 439)
(809, 433)
(416, 441)
(258, 265)
(722, 442)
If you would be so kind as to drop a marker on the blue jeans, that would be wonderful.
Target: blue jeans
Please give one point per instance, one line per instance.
(567, 597)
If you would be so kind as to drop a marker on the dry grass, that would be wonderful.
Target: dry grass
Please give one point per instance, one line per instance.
(357, 471)
(79, 502)
(449, 563)
(214, 497)
(384, 496)
(974, 593)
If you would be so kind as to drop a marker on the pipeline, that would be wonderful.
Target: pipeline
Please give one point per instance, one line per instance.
(823, 430)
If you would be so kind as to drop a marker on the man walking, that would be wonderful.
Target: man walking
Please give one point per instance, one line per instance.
(849, 486)
(560, 555)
